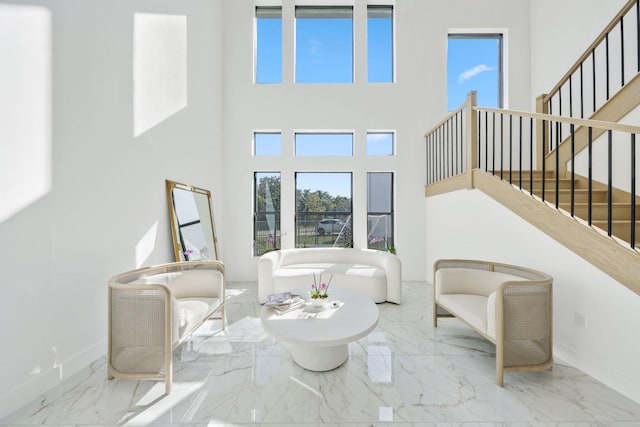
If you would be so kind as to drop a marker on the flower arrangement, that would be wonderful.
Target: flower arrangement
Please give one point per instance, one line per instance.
(319, 289)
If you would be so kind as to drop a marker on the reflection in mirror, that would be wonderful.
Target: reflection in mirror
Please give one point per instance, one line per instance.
(192, 226)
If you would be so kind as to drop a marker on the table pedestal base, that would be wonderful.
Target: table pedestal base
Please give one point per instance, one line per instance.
(320, 358)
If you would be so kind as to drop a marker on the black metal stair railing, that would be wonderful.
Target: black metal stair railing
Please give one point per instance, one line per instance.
(522, 149)
(605, 67)
(446, 147)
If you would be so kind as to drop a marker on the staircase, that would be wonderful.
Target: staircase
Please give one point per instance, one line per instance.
(621, 211)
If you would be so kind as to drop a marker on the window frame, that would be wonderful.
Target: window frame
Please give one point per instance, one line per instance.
(393, 41)
(489, 33)
(389, 241)
(255, 43)
(295, 40)
(316, 235)
(277, 231)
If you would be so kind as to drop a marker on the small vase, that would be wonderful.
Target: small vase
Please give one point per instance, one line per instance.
(319, 302)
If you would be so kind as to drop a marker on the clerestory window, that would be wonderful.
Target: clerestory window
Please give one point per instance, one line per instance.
(324, 44)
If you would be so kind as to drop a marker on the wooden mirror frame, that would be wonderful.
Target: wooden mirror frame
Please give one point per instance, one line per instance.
(181, 252)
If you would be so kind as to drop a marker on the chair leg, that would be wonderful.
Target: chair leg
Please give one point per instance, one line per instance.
(435, 315)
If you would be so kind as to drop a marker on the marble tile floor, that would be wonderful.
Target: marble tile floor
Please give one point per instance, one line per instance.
(405, 373)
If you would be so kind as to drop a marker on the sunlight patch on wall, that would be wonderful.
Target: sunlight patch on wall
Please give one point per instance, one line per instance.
(145, 246)
(159, 68)
(25, 106)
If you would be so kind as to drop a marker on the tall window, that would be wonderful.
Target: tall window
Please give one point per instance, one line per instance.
(324, 44)
(380, 44)
(323, 209)
(268, 45)
(475, 63)
(266, 222)
(380, 211)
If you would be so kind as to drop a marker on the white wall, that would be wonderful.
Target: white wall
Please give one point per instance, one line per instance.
(411, 106)
(590, 308)
(560, 32)
(103, 209)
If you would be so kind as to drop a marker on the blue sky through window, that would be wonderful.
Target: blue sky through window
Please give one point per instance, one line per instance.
(380, 144)
(267, 144)
(324, 45)
(473, 63)
(380, 44)
(324, 144)
(269, 45)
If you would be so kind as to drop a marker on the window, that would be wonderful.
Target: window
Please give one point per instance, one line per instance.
(324, 144)
(268, 45)
(380, 144)
(380, 44)
(324, 44)
(266, 223)
(323, 209)
(380, 211)
(267, 144)
(475, 63)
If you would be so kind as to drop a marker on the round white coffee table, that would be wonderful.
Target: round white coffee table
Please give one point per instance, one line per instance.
(320, 337)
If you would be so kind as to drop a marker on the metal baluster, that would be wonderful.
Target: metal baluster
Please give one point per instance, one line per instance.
(622, 49)
(638, 35)
(573, 168)
(531, 154)
(609, 178)
(510, 147)
(430, 174)
(606, 63)
(593, 71)
(581, 92)
(450, 146)
(590, 180)
(571, 95)
(558, 124)
(493, 165)
(486, 141)
(544, 142)
(633, 190)
(501, 144)
(520, 152)
(437, 135)
(454, 124)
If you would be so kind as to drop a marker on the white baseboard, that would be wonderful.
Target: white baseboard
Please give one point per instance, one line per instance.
(16, 398)
(619, 382)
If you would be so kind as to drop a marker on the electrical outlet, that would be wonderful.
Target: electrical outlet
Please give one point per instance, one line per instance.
(580, 320)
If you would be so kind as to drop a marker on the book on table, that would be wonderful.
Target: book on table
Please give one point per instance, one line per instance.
(284, 301)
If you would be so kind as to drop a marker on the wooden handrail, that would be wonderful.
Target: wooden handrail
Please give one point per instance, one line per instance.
(446, 119)
(598, 124)
(590, 49)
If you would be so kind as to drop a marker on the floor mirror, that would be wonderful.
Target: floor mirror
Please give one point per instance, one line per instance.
(192, 226)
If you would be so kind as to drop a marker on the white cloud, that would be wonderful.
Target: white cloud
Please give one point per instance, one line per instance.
(473, 72)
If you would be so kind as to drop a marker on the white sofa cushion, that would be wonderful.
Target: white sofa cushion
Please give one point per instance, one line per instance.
(189, 312)
(187, 284)
(366, 279)
(470, 281)
(471, 308)
(376, 274)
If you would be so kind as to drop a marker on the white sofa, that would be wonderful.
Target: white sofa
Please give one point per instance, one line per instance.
(153, 310)
(510, 306)
(374, 273)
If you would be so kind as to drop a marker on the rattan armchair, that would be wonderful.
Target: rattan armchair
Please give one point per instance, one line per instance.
(510, 306)
(154, 310)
